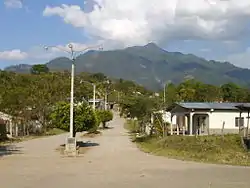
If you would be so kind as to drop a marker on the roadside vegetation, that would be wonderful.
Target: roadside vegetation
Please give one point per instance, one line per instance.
(218, 149)
(140, 111)
(37, 104)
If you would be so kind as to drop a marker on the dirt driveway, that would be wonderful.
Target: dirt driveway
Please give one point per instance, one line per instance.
(114, 163)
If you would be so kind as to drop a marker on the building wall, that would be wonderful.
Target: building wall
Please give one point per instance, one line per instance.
(217, 118)
(166, 116)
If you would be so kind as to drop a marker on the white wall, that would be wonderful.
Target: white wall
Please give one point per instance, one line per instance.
(216, 119)
(166, 116)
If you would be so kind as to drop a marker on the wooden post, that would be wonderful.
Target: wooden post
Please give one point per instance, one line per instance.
(223, 127)
(241, 129)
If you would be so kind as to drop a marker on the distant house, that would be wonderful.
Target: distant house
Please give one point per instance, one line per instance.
(210, 118)
(99, 103)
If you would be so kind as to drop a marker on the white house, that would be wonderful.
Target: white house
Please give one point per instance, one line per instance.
(210, 118)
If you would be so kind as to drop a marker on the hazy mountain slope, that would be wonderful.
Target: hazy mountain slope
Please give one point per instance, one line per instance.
(150, 66)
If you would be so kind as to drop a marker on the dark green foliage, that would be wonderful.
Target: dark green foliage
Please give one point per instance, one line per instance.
(3, 133)
(39, 68)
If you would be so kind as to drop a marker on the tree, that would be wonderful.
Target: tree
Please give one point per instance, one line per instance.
(139, 107)
(39, 68)
(104, 116)
(232, 93)
(159, 125)
(84, 117)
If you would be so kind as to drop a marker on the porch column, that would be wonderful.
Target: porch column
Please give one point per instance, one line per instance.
(185, 124)
(171, 125)
(247, 135)
(191, 123)
(11, 128)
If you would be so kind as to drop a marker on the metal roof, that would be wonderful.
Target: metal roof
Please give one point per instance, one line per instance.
(211, 105)
(96, 100)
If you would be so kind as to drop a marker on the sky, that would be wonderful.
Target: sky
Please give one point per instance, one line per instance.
(212, 29)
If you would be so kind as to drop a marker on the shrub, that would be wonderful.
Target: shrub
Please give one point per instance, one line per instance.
(104, 116)
(84, 117)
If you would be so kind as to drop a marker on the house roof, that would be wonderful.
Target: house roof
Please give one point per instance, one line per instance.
(211, 105)
(96, 100)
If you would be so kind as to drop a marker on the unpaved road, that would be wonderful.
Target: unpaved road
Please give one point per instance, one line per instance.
(115, 163)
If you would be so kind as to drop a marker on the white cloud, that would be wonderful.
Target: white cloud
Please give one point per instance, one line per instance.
(13, 3)
(13, 55)
(136, 22)
(40, 54)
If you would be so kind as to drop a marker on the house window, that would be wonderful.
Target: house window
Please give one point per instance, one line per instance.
(239, 121)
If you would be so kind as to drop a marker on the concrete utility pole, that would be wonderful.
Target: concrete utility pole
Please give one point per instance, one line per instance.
(106, 96)
(73, 54)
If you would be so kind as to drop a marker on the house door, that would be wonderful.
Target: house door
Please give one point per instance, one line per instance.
(201, 124)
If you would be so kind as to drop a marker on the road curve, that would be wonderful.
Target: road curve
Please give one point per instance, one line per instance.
(114, 163)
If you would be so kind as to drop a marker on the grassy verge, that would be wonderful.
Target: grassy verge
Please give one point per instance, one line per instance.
(208, 149)
(50, 132)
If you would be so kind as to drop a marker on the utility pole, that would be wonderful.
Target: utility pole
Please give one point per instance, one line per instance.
(164, 94)
(71, 141)
(106, 95)
(105, 100)
(94, 88)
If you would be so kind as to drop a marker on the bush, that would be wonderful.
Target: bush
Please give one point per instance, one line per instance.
(104, 116)
(84, 117)
(3, 133)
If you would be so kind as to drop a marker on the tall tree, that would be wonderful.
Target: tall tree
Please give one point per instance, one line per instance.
(39, 68)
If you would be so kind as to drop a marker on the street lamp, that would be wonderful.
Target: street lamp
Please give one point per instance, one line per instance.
(106, 96)
(73, 54)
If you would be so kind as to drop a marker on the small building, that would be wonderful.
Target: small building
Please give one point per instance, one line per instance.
(209, 118)
(99, 103)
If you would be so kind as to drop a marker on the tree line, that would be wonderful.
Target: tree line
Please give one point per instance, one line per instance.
(144, 108)
(195, 91)
(37, 96)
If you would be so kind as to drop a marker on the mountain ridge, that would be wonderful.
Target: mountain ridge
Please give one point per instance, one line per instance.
(150, 66)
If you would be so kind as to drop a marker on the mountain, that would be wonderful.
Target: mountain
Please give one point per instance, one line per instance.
(150, 66)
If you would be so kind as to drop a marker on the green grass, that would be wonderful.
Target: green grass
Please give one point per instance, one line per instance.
(208, 149)
(50, 132)
(54, 131)
(132, 126)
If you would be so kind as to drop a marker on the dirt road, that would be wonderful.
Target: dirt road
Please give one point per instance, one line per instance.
(114, 163)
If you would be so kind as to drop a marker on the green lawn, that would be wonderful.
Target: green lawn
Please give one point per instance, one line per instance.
(209, 149)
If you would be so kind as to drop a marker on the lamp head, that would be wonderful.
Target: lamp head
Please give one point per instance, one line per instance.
(46, 48)
(70, 46)
(101, 48)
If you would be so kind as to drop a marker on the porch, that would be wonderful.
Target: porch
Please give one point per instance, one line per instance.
(190, 123)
